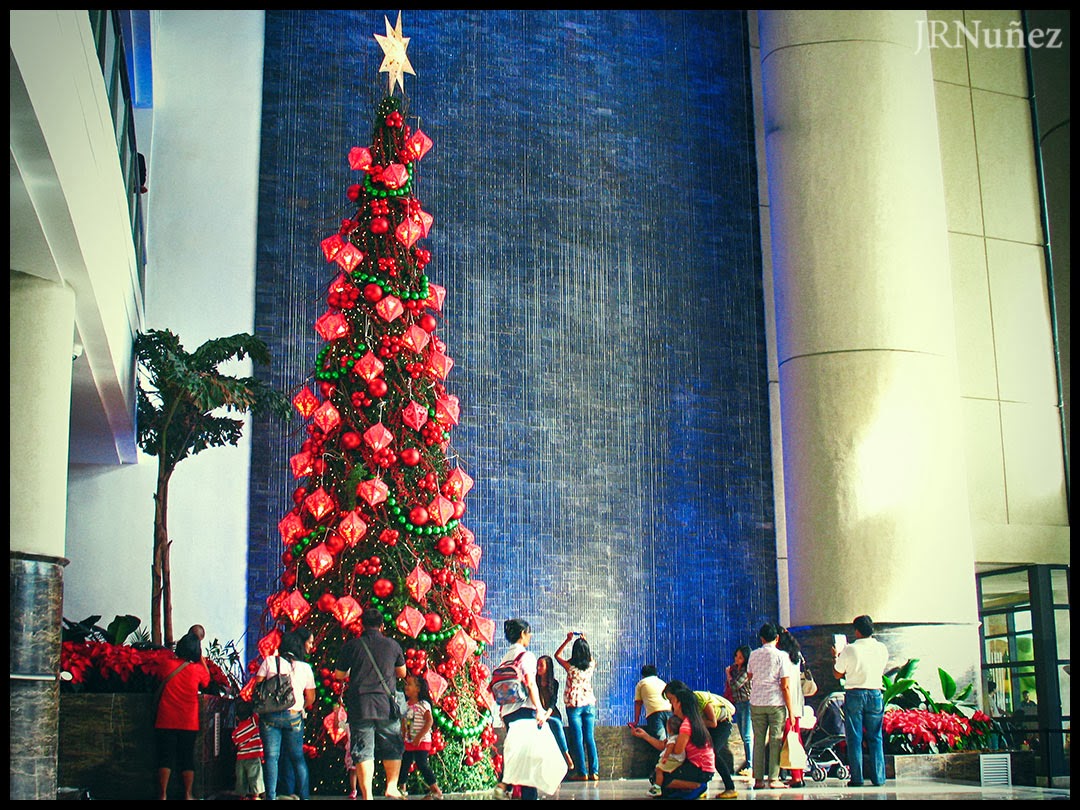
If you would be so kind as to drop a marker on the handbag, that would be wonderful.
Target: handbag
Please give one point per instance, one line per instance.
(274, 693)
(792, 755)
(809, 685)
(395, 708)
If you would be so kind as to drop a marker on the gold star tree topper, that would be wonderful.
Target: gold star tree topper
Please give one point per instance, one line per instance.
(395, 62)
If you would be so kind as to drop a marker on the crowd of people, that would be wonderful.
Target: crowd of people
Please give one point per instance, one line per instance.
(763, 698)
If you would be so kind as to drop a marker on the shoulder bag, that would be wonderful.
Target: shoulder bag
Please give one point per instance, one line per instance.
(395, 709)
(161, 689)
(809, 685)
(274, 693)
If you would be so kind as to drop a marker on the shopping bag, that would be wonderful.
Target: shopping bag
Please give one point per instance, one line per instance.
(532, 757)
(792, 755)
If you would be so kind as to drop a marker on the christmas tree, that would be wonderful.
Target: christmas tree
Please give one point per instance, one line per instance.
(377, 516)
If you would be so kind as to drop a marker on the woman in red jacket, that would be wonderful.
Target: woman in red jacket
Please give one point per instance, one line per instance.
(177, 722)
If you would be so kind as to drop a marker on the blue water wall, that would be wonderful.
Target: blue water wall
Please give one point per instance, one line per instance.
(594, 189)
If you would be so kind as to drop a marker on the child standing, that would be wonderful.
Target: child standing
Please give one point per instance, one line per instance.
(350, 766)
(416, 727)
(249, 752)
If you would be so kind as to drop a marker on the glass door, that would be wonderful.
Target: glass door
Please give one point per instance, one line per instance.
(1025, 635)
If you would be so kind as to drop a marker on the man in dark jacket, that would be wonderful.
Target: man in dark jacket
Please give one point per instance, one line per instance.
(373, 664)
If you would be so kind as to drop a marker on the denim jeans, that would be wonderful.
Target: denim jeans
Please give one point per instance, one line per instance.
(742, 720)
(582, 719)
(863, 713)
(656, 724)
(555, 724)
(283, 737)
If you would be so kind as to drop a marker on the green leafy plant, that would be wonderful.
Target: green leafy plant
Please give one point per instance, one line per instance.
(903, 690)
(118, 631)
(229, 661)
(179, 416)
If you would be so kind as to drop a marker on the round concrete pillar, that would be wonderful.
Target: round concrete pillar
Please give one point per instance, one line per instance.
(875, 491)
(42, 318)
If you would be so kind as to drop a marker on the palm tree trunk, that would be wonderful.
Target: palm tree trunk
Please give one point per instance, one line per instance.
(159, 584)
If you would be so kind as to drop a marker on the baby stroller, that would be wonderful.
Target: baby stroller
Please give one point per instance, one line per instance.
(827, 737)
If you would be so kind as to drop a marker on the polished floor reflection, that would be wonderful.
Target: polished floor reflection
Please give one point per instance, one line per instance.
(829, 790)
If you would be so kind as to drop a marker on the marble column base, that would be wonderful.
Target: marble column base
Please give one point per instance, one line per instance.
(36, 592)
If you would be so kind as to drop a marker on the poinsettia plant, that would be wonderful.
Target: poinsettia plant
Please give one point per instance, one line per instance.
(920, 731)
(96, 659)
(916, 723)
(99, 666)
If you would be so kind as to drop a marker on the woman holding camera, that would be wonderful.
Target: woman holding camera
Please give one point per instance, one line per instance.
(580, 706)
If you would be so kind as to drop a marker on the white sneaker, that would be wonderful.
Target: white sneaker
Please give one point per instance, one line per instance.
(655, 790)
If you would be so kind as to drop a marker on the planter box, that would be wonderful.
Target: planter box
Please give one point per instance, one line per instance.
(107, 747)
(960, 767)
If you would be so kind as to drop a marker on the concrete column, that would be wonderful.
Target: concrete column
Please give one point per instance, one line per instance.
(875, 492)
(42, 322)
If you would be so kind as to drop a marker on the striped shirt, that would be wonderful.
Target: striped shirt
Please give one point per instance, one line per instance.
(415, 717)
(247, 740)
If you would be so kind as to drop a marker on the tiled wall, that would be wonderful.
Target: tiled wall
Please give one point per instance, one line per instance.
(594, 193)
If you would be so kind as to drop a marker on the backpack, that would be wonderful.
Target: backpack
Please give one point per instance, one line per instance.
(508, 683)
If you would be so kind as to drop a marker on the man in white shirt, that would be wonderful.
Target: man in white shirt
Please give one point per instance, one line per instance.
(861, 665)
(770, 707)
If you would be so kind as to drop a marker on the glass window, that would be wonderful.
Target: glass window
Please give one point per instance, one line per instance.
(1063, 685)
(1004, 590)
(1059, 582)
(995, 625)
(996, 651)
(1022, 621)
(1061, 628)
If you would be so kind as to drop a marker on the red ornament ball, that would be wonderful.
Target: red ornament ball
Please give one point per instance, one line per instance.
(380, 225)
(350, 440)
(382, 588)
(433, 622)
(376, 386)
(418, 516)
(427, 323)
(335, 543)
(446, 545)
(373, 293)
(410, 456)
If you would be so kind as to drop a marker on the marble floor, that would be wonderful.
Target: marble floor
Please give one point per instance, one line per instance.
(829, 790)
